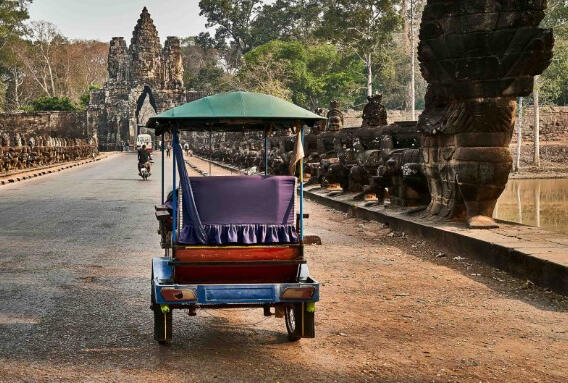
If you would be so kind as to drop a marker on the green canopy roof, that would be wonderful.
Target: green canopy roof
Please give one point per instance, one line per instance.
(233, 112)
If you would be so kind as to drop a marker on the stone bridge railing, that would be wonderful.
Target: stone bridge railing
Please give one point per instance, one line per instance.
(19, 153)
(38, 139)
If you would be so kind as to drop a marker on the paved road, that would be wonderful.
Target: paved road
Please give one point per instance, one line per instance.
(75, 252)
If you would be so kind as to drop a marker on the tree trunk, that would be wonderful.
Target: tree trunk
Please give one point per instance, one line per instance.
(369, 74)
(519, 135)
(413, 64)
(404, 11)
(536, 123)
(53, 94)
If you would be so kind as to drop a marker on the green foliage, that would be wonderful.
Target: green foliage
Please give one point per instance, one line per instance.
(287, 20)
(231, 20)
(392, 71)
(314, 74)
(207, 79)
(242, 25)
(52, 103)
(12, 17)
(364, 26)
(13, 14)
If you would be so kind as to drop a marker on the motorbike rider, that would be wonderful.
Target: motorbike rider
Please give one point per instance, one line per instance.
(144, 159)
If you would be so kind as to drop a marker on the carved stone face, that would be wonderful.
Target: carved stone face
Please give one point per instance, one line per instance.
(334, 122)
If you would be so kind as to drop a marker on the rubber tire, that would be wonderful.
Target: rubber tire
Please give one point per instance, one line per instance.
(162, 325)
(294, 311)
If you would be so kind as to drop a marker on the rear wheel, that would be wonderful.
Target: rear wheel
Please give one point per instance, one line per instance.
(293, 314)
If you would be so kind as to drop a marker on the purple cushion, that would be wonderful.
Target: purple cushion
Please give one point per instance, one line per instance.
(244, 200)
(242, 210)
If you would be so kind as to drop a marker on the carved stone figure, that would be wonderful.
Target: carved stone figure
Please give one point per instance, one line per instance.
(335, 118)
(476, 56)
(374, 113)
(5, 139)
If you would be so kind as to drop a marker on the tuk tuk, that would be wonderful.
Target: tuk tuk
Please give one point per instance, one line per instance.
(233, 242)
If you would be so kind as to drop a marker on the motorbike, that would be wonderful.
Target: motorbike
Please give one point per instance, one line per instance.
(144, 173)
(144, 169)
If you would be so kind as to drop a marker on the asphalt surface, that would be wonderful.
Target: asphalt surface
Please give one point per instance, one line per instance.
(75, 252)
(74, 263)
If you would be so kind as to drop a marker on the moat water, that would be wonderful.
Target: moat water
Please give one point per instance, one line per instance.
(540, 202)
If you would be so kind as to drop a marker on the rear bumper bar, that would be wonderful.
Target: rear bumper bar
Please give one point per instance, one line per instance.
(168, 293)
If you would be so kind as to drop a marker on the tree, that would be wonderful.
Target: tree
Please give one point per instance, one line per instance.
(50, 65)
(242, 25)
(13, 14)
(364, 26)
(201, 64)
(20, 87)
(287, 20)
(536, 122)
(232, 22)
(314, 74)
(39, 59)
(554, 80)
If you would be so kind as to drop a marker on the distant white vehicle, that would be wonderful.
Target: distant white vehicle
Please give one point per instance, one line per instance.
(144, 139)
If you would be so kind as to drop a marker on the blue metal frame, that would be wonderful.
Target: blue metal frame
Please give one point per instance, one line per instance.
(266, 153)
(174, 197)
(302, 190)
(163, 165)
(224, 294)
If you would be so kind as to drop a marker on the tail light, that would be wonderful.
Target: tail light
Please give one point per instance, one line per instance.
(298, 292)
(178, 295)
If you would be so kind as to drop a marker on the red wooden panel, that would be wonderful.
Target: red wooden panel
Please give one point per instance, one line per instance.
(212, 254)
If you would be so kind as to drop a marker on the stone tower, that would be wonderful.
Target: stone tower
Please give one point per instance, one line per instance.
(172, 65)
(145, 52)
(144, 80)
(118, 63)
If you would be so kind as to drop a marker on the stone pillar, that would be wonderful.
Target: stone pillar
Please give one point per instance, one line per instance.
(477, 57)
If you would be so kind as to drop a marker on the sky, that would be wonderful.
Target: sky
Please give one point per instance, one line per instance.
(104, 19)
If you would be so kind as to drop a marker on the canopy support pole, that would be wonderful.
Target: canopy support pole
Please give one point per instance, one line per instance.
(265, 152)
(174, 196)
(302, 190)
(163, 168)
(210, 150)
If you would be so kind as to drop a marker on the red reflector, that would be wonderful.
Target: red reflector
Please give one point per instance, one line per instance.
(298, 292)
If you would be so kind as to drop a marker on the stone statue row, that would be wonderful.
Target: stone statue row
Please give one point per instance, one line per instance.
(17, 140)
(21, 151)
(375, 161)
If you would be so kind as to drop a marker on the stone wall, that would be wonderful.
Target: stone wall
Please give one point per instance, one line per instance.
(553, 124)
(31, 140)
(55, 124)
